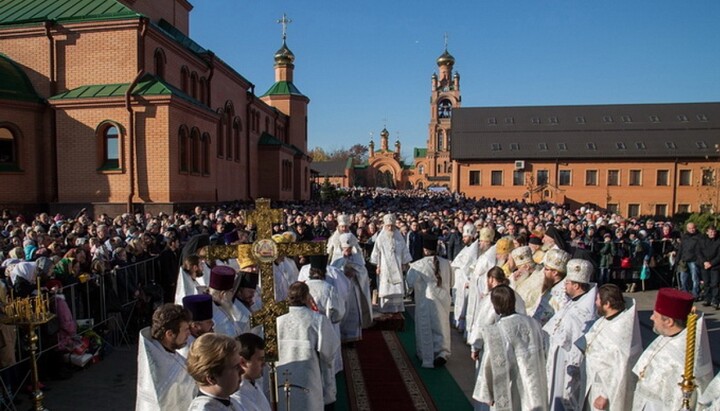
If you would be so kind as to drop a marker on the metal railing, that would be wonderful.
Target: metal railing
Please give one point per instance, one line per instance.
(109, 300)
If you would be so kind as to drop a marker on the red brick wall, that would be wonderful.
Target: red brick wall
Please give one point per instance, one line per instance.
(647, 195)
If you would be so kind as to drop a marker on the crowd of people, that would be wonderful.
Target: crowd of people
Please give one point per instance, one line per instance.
(537, 291)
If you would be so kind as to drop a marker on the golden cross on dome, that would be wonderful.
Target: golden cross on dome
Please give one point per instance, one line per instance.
(263, 252)
(284, 21)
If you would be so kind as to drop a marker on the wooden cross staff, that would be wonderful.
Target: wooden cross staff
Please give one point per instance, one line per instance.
(264, 251)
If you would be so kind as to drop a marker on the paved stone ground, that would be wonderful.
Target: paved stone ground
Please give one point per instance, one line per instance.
(110, 384)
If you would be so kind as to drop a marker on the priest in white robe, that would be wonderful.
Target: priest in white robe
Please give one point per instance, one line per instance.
(358, 305)
(430, 278)
(225, 317)
(660, 367)
(252, 360)
(512, 371)
(709, 399)
(307, 345)
(495, 256)
(334, 247)
(391, 255)
(611, 347)
(553, 297)
(162, 380)
(214, 364)
(200, 307)
(193, 277)
(485, 314)
(245, 302)
(463, 267)
(564, 328)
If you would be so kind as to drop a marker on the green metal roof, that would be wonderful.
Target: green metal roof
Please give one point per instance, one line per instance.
(283, 88)
(267, 139)
(419, 152)
(149, 85)
(180, 37)
(14, 83)
(31, 11)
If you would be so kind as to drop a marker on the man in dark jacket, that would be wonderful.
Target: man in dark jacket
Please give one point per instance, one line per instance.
(709, 250)
(687, 260)
(414, 242)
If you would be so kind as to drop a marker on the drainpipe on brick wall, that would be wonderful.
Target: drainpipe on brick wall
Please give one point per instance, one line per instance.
(210, 59)
(49, 24)
(131, 114)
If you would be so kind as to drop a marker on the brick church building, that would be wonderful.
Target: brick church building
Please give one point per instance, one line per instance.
(110, 104)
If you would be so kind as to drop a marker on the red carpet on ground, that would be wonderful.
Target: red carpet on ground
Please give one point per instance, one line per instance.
(381, 377)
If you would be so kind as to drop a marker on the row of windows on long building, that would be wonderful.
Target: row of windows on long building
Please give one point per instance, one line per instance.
(613, 178)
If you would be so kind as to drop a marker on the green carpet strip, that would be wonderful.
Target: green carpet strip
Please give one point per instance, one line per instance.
(445, 392)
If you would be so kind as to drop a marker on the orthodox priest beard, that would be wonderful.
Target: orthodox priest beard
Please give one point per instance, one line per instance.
(548, 283)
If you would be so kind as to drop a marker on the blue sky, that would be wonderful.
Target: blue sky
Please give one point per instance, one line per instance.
(367, 64)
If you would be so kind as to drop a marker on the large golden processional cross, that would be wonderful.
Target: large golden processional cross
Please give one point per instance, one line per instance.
(264, 251)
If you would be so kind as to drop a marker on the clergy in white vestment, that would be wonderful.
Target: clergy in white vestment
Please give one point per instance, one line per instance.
(193, 277)
(162, 379)
(201, 310)
(553, 296)
(485, 314)
(358, 306)
(221, 289)
(512, 371)
(214, 364)
(334, 248)
(430, 278)
(523, 266)
(564, 328)
(307, 345)
(528, 278)
(281, 275)
(496, 256)
(709, 399)
(660, 367)
(327, 299)
(462, 267)
(390, 254)
(252, 360)
(611, 348)
(245, 302)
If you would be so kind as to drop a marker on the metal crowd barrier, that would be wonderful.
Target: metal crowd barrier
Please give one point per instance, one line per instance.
(108, 301)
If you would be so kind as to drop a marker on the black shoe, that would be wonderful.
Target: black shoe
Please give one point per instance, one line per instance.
(717, 306)
(706, 304)
(439, 362)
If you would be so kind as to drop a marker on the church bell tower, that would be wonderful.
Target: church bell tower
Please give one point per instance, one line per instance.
(444, 98)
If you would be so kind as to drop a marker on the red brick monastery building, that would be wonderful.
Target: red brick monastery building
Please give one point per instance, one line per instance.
(110, 104)
(632, 159)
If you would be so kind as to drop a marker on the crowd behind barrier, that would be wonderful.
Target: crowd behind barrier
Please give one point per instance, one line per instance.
(114, 270)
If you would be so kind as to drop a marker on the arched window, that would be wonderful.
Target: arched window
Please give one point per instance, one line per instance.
(184, 79)
(221, 133)
(267, 124)
(237, 130)
(421, 169)
(195, 150)
(111, 147)
(229, 114)
(8, 149)
(160, 61)
(183, 149)
(203, 89)
(193, 84)
(206, 154)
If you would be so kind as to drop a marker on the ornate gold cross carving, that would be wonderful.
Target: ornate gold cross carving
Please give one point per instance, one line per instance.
(264, 251)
